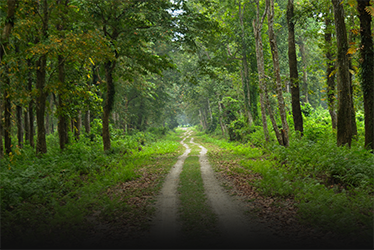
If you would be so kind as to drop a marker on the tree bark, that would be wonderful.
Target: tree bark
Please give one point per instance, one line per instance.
(330, 76)
(353, 115)
(294, 75)
(305, 72)
(26, 126)
(8, 26)
(367, 66)
(41, 145)
(109, 101)
(257, 27)
(19, 126)
(7, 119)
(222, 124)
(275, 56)
(9, 23)
(62, 124)
(87, 126)
(344, 125)
(245, 69)
(77, 126)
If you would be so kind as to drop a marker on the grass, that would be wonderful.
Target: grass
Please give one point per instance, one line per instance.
(331, 187)
(197, 217)
(56, 193)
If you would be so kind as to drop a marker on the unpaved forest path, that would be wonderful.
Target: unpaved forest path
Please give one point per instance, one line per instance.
(236, 230)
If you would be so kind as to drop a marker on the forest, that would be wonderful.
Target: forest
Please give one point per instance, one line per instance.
(98, 98)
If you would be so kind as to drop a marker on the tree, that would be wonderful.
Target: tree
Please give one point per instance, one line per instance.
(344, 124)
(131, 27)
(294, 75)
(41, 64)
(257, 27)
(367, 65)
(275, 56)
(330, 75)
(9, 23)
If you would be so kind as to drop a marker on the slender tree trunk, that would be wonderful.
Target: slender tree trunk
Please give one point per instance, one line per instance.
(31, 123)
(274, 52)
(108, 105)
(47, 121)
(62, 123)
(9, 23)
(201, 119)
(294, 75)
(7, 119)
(210, 112)
(245, 68)
(278, 134)
(257, 27)
(77, 126)
(41, 145)
(330, 76)
(353, 115)
(367, 66)
(344, 126)
(26, 126)
(87, 126)
(41, 63)
(305, 72)
(19, 126)
(221, 123)
(30, 110)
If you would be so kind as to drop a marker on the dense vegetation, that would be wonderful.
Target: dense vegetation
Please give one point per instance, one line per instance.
(89, 87)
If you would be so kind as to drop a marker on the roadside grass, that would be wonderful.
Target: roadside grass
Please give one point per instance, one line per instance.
(59, 191)
(198, 220)
(331, 187)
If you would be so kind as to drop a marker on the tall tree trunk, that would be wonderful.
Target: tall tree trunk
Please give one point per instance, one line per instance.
(245, 69)
(26, 126)
(108, 105)
(47, 121)
(41, 145)
(19, 126)
(87, 126)
(201, 119)
(350, 40)
(257, 27)
(77, 126)
(305, 72)
(31, 123)
(9, 23)
(274, 52)
(367, 66)
(344, 126)
(41, 63)
(221, 123)
(294, 75)
(30, 110)
(278, 134)
(210, 112)
(62, 124)
(7, 119)
(330, 76)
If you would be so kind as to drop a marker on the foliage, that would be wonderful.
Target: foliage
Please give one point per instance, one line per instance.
(64, 186)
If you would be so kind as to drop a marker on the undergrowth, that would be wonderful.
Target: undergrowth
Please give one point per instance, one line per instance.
(332, 186)
(60, 188)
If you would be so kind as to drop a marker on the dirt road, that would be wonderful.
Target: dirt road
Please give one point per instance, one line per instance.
(236, 230)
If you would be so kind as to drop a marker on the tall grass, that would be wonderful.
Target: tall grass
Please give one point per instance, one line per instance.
(61, 188)
(332, 186)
